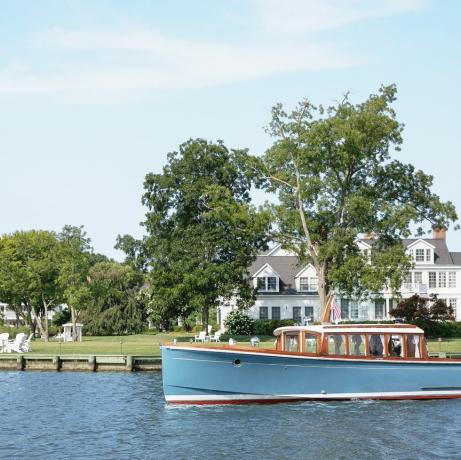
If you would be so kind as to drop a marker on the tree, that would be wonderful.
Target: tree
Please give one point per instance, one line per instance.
(29, 276)
(75, 258)
(426, 313)
(116, 306)
(335, 179)
(202, 232)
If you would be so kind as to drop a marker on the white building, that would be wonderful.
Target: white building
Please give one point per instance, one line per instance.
(9, 317)
(288, 290)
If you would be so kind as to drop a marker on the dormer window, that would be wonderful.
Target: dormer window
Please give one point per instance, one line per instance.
(419, 255)
(308, 284)
(428, 255)
(267, 283)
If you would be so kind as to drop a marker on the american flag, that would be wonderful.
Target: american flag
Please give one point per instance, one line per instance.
(335, 311)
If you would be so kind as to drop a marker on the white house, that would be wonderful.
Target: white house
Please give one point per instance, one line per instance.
(288, 290)
(8, 315)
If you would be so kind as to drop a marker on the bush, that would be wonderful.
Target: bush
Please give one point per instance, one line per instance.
(239, 323)
(267, 326)
(246, 338)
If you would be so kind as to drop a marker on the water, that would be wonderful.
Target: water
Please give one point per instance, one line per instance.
(112, 416)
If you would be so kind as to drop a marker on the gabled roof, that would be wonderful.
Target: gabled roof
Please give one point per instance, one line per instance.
(303, 270)
(266, 265)
(420, 240)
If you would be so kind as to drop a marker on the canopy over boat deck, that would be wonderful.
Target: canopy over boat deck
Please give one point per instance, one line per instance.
(374, 341)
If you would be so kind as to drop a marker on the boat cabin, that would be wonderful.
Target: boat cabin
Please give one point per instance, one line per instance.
(371, 341)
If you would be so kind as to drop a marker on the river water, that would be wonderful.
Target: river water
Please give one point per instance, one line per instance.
(123, 416)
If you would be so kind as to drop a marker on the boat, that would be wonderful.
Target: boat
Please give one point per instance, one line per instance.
(317, 362)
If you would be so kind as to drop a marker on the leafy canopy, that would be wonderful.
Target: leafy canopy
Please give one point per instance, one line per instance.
(336, 179)
(202, 232)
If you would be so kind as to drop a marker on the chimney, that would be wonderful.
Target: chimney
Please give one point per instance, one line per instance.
(440, 233)
(369, 236)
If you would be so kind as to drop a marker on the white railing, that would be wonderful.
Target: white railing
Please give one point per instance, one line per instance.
(416, 288)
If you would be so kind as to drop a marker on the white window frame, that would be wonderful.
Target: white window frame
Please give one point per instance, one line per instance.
(442, 281)
(419, 255)
(432, 280)
(416, 276)
(266, 284)
(428, 255)
(452, 280)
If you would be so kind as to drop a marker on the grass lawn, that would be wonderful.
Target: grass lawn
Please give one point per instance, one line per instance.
(148, 345)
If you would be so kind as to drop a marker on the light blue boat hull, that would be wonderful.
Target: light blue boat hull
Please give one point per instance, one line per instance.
(207, 376)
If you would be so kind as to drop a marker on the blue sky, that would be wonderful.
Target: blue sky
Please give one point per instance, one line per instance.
(93, 95)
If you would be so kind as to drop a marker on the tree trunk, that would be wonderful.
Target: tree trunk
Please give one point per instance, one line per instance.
(322, 288)
(74, 315)
(39, 323)
(205, 319)
(46, 336)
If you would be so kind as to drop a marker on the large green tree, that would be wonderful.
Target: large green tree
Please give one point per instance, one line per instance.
(116, 306)
(335, 178)
(74, 263)
(202, 232)
(29, 276)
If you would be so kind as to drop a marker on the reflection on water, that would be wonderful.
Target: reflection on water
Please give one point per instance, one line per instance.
(112, 415)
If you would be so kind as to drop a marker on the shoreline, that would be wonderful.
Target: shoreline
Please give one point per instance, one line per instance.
(81, 362)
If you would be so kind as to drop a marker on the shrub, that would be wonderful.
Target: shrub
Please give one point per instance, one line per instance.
(267, 326)
(239, 323)
(246, 338)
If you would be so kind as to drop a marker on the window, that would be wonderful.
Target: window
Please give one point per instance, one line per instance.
(418, 277)
(263, 313)
(379, 308)
(275, 312)
(451, 279)
(261, 284)
(309, 313)
(442, 279)
(304, 284)
(297, 315)
(419, 255)
(432, 279)
(413, 346)
(267, 283)
(395, 346)
(310, 343)
(376, 344)
(336, 344)
(354, 306)
(291, 342)
(344, 308)
(357, 346)
(453, 303)
(428, 255)
(407, 278)
(308, 284)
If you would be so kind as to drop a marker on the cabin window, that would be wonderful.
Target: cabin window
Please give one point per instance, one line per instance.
(376, 344)
(291, 342)
(357, 346)
(336, 344)
(310, 343)
(395, 346)
(413, 346)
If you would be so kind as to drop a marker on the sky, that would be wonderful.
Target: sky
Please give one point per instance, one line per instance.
(93, 95)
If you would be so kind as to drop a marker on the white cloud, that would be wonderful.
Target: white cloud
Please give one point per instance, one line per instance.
(314, 15)
(137, 61)
(101, 65)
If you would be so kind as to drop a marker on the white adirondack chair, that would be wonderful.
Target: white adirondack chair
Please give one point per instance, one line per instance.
(3, 341)
(26, 344)
(16, 344)
(216, 336)
(200, 337)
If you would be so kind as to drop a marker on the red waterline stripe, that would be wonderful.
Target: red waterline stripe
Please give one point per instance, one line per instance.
(285, 400)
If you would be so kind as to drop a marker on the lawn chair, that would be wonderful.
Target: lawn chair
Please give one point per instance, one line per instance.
(25, 348)
(16, 344)
(3, 341)
(216, 336)
(200, 337)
